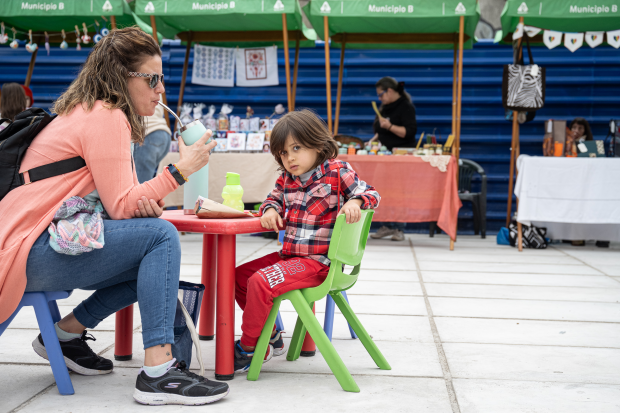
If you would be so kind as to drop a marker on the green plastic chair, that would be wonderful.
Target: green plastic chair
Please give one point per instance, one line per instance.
(346, 247)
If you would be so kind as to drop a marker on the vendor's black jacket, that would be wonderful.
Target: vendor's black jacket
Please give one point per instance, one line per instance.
(401, 113)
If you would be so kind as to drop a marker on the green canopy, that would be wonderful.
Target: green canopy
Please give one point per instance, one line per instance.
(56, 15)
(425, 24)
(562, 15)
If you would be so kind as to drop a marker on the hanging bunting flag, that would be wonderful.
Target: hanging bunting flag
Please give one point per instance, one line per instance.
(64, 43)
(86, 37)
(77, 38)
(532, 31)
(573, 41)
(47, 43)
(518, 33)
(257, 66)
(31, 47)
(213, 66)
(593, 39)
(14, 44)
(552, 39)
(613, 38)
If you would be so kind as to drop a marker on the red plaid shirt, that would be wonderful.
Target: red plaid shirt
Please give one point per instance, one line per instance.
(313, 207)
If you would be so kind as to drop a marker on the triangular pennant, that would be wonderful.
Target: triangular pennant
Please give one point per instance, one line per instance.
(518, 33)
(531, 31)
(613, 38)
(460, 9)
(107, 6)
(593, 39)
(325, 8)
(552, 39)
(573, 41)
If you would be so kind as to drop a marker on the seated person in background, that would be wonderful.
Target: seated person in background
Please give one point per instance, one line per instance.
(29, 96)
(12, 102)
(155, 147)
(581, 130)
(396, 129)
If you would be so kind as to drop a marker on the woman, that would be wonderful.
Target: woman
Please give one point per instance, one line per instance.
(12, 101)
(100, 116)
(396, 128)
(581, 130)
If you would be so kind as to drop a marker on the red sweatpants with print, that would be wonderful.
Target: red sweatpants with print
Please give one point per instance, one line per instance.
(258, 282)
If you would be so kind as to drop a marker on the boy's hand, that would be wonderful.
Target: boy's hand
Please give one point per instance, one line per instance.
(271, 220)
(352, 211)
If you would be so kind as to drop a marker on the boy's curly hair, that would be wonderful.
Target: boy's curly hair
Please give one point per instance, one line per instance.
(308, 130)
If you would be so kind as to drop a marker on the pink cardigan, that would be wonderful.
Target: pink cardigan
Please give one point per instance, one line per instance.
(102, 137)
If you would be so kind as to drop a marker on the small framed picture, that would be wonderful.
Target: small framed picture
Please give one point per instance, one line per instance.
(236, 141)
(222, 145)
(264, 125)
(255, 142)
(266, 147)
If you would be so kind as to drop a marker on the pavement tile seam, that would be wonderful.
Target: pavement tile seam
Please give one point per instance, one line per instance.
(503, 272)
(521, 344)
(508, 299)
(512, 285)
(585, 263)
(524, 319)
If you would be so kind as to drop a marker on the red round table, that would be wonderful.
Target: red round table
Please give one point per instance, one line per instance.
(218, 277)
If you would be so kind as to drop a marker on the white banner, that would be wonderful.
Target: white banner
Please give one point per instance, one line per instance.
(518, 33)
(552, 39)
(532, 31)
(257, 66)
(573, 41)
(593, 39)
(613, 38)
(213, 66)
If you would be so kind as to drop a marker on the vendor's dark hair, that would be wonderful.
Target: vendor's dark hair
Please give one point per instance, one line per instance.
(587, 131)
(307, 129)
(389, 82)
(12, 101)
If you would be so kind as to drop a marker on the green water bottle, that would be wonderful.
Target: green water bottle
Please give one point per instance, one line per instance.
(232, 192)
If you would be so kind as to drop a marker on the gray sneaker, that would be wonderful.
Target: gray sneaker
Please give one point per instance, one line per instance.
(178, 386)
(382, 233)
(398, 236)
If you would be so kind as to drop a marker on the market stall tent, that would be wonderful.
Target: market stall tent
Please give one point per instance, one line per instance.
(557, 15)
(396, 24)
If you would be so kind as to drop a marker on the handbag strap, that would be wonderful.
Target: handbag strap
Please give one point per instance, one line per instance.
(194, 334)
(529, 51)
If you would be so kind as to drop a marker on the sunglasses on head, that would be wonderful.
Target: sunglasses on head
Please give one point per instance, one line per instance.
(153, 78)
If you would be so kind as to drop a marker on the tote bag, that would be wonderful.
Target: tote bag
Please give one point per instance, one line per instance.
(523, 86)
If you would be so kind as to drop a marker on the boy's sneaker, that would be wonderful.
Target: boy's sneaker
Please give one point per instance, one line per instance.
(177, 386)
(78, 356)
(277, 342)
(243, 359)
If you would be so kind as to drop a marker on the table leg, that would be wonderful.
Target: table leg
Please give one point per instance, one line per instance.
(206, 323)
(123, 334)
(519, 236)
(225, 305)
(308, 349)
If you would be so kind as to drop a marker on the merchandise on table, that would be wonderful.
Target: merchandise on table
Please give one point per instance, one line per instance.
(236, 141)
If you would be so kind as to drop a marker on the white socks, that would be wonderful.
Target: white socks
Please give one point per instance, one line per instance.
(157, 371)
(63, 335)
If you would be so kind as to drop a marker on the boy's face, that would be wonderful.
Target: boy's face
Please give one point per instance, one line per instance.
(297, 160)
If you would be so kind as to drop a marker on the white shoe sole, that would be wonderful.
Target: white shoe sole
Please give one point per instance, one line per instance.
(160, 399)
(279, 351)
(71, 365)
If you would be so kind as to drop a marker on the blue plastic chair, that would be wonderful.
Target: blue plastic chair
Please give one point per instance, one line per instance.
(47, 313)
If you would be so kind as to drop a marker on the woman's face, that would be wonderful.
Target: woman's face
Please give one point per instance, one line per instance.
(143, 97)
(387, 96)
(578, 130)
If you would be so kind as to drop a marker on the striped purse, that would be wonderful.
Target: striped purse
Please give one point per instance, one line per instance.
(523, 86)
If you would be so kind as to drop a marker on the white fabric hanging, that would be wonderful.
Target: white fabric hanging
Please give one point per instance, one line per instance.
(613, 38)
(213, 66)
(518, 33)
(532, 31)
(573, 41)
(552, 38)
(257, 66)
(593, 39)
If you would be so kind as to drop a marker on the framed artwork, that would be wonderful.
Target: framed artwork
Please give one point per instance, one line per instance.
(236, 141)
(222, 145)
(255, 142)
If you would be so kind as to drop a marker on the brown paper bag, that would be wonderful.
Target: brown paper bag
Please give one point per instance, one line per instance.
(206, 208)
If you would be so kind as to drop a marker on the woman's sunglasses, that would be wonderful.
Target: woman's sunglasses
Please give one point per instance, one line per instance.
(153, 81)
(381, 94)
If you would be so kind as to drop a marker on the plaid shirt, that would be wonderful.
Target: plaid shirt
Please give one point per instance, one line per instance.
(313, 207)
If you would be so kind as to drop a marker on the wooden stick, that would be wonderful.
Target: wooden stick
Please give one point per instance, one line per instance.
(520, 236)
(163, 95)
(454, 89)
(459, 96)
(376, 109)
(182, 89)
(295, 70)
(340, 76)
(113, 22)
(287, 63)
(420, 141)
(31, 68)
(328, 82)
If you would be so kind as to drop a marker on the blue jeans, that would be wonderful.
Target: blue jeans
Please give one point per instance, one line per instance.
(140, 261)
(396, 225)
(148, 155)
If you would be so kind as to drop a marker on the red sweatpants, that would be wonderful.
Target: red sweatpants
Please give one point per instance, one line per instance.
(258, 282)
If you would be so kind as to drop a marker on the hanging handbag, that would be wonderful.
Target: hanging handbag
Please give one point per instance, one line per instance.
(523, 86)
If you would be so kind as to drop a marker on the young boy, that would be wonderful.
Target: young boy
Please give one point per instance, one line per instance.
(306, 195)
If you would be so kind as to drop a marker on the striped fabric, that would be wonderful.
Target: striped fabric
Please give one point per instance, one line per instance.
(311, 209)
(524, 89)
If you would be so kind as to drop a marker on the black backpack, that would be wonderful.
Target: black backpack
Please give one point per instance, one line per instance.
(15, 140)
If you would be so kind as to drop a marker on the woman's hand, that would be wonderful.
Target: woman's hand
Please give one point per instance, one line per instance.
(194, 157)
(374, 138)
(351, 209)
(149, 209)
(385, 123)
(271, 220)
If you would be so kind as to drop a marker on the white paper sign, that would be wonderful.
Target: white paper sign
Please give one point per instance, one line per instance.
(532, 31)
(573, 41)
(518, 33)
(213, 66)
(257, 67)
(552, 38)
(613, 38)
(593, 39)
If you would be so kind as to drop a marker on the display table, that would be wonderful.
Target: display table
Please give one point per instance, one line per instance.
(259, 172)
(411, 189)
(574, 198)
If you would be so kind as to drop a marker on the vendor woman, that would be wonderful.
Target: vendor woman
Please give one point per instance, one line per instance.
(395, 129)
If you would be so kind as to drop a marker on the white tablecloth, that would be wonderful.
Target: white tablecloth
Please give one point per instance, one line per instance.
(574, 198)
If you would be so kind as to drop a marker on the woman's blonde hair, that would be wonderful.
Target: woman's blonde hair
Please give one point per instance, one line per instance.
(104, 76)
